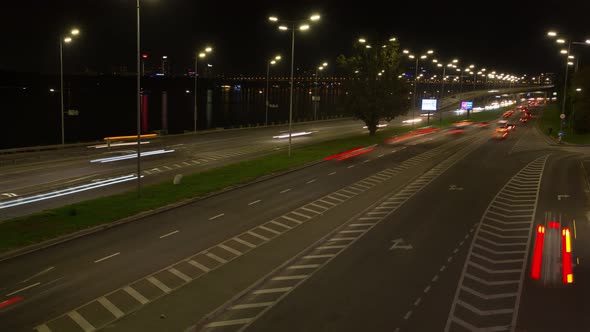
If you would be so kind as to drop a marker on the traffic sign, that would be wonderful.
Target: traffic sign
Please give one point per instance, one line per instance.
(562, 116)
(561, 134)
(73, 112)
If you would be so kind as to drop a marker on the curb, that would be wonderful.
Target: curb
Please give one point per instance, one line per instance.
(89, 231)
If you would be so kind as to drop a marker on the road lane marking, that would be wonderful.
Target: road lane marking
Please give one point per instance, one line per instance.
(159, 284)
(284, 191)
(24, 288)
(319, 256)
(199, 266)
(351, 166)
(330, 247)
(361, 225)
(230, 322)
(217, 216)
(330, 203)
(427, 289)
(442, 268)
(232, 250)
(42, 328)
(135, 294)
(215, 257)
(292, 219)
(255, 202)
(310, 210)
(310, 181)
(244, 242)
(341, 239)
(269, 230)
(272, 290)
(417, 302)
(297, 277)
(251, 305)
(379, 156)
(408, 314)
(110, 307)
(107, 257)
(179, 274)
(301, 215)
(352, 231)
(332, 173)
(81, 321)
(38, 274)
(367, 161)
(171, 233)
(301, 267)
(263, 238)
(435, 278)
(279, 224)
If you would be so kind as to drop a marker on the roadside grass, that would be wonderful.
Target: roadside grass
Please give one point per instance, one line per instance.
(49, 224)
(550, 119)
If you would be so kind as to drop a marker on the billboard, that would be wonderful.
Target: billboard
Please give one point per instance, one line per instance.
(429, 104)
(467, 105)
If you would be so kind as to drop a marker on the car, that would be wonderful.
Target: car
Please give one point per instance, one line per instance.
(501, 132)
(524, 119)
(482, 124)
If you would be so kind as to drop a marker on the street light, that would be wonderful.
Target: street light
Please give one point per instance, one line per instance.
(567, 64)
(303, 26)
(62, 40)
(316, 98)
(202, 54)
(411, 56)
(268, 64)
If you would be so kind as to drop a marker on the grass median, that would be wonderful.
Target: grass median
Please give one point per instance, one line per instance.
(550, 119)
(23, 231)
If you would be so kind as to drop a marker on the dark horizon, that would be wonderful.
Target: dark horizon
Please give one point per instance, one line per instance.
(508, 37)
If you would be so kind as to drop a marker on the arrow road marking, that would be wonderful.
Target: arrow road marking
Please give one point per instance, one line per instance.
(559, 197)
(397, 244)
(454, 187)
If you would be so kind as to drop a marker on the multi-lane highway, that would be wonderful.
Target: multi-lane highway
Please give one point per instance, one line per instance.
(432, 233)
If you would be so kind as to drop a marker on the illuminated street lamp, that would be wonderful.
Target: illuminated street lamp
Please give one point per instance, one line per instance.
(411, 56)
(67, 39)
(202, 55)
(268, 64)
(303, 26)
(316, 98)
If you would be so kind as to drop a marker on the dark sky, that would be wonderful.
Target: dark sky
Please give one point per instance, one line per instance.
(503, 35)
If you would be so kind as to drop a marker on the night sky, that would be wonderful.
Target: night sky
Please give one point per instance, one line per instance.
(505, 35)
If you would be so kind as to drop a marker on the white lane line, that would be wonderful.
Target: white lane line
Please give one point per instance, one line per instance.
(310, 181)
(329, 203)
(199, 266)
(180, 275)
(408, 314)
(292, 219)
(107, 257)
(417, 302)
(351, 166)
(330, 247)
(284, 191)
(230, 322)
(442, 268)
(110, 307)
(435, 278)
(319, 256)
(450, 259)
(353, 231)
(279, 224)
(361, 225)
(217, 216)
(263, 238)
(255, 202)
(135, 294)
(159, 284)
(42, 328)
(251, 305)
(244, 242)
(269, 230)
(380, 156)
(24, 288)
(38, 274)
(301, 215)
(300, 267)
(232, 250)
(81, 321)
(171, 233)
(342, 239)
(332, 173)
(272, 290)
(367, 161)
(310, 210)
(215, 257)
(427, 289)
(297, 277)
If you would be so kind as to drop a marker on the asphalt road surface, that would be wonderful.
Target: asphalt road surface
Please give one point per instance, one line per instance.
(428, 234)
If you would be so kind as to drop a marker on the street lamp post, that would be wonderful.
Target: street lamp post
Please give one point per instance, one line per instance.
(67, 39)
(198, 55)
(316, 99)
(411, 56)
(302, 27)
(138, 105)
(268, 64)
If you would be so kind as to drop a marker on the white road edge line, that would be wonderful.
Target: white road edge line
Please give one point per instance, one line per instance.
(107, 257)
(217, 216)
(24, 288)
(171, 233)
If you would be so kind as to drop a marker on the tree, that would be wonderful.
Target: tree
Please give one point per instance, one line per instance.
(580, 114)
(376, 90)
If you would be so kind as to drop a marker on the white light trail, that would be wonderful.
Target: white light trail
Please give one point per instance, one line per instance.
(67, 191)
(303, 133)
(130, 156)
(102, 146)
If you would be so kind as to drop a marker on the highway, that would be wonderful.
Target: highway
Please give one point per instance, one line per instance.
(384, 241)
(26, 175)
